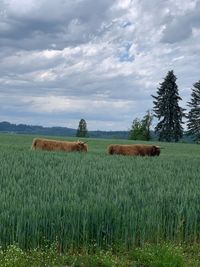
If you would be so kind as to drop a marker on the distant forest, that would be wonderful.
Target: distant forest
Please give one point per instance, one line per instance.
(7, 127)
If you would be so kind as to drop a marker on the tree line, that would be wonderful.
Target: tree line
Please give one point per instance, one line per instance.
(168, 112)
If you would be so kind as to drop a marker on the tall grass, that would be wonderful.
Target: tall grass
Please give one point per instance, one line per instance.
(93, 198)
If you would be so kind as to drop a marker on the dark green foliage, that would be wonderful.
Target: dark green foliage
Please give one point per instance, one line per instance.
(167, 110)
(146, 124)
(39, 130)
(82, 129)
(140, 130)
(193, 117)
(136, 130)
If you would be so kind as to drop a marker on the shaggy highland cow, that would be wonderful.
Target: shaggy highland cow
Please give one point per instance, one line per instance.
(56, 145)
(134, 150)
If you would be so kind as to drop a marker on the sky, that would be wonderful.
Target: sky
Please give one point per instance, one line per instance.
(63, 60)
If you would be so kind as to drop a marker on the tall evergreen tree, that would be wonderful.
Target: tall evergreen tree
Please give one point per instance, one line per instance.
(193, 117)
(82, 129)
(167, 110)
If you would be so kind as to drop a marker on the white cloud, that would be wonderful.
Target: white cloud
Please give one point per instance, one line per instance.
(21, 7)
(52, 104)
(91, 58)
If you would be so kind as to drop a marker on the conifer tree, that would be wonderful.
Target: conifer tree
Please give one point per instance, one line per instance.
(82, 129)
(167, 110)
(193, 123)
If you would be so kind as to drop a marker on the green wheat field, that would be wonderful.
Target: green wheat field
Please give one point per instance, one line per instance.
(83, 199)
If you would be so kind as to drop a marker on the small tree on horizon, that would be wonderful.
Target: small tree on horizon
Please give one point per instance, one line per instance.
(140, 129)
(193, 123)
(135, 132)
(146, 124)
(82, 129)
(167, 110)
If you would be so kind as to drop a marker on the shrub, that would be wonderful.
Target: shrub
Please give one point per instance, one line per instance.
(159, 256)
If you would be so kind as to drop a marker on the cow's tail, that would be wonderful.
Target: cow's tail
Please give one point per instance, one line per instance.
(110, 150)
(34, 143)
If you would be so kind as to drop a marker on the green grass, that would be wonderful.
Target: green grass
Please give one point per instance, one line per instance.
(97, 199)
(161, 255)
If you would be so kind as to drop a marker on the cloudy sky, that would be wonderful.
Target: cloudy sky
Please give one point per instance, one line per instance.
(63, 60)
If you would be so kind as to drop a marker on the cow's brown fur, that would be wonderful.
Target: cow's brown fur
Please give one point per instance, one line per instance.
(134, 150)
(56, 145)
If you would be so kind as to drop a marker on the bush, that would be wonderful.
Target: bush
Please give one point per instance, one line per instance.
(164, 255)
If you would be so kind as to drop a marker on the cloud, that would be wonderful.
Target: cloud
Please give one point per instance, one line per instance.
(181, 25)
(45, 24)
(62, 60)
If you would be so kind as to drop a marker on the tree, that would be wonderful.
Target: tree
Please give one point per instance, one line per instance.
(140, 129)
(146, 124)
(193, 123)
(167, 110)
(135, 132)
(82, 129)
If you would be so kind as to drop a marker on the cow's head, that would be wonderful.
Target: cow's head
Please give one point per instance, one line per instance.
(155, 151)
(81, 146)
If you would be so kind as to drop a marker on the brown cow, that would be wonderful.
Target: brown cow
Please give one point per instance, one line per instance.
(134, 150)
(56, 145)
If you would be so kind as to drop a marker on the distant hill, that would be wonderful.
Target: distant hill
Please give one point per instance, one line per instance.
(8, 127)
(57, 131)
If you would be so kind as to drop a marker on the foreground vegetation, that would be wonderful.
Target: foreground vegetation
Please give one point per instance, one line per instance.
(96, 200)
(162, 255)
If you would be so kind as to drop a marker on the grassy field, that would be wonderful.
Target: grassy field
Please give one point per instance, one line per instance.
(94, 199)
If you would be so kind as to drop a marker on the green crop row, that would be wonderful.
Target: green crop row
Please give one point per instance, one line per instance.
(83, 199)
